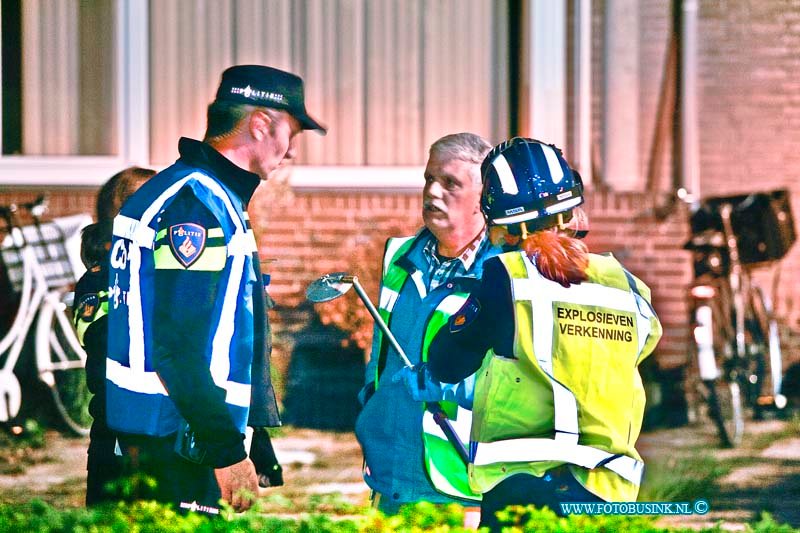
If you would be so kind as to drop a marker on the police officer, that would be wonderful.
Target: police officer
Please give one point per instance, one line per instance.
(90, 312)
(557, 333)
(188, 351)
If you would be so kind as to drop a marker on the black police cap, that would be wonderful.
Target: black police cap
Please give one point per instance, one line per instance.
(267, 87)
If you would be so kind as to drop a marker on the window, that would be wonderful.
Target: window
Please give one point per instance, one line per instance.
(74, 90)
(387, 78)
(58, 78)
(91, 86)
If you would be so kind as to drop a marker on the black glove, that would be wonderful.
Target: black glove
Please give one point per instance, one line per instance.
(270, 473)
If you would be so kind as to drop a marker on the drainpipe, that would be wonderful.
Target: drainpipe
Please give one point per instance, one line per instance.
(621, 95)
(689, 160)
(582, 114)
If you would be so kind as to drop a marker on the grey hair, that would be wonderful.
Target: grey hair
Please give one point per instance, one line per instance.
(464, 146)
(226, 119)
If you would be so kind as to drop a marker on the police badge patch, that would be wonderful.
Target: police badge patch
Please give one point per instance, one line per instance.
(87, 307)
(187, 241)
(464, 316)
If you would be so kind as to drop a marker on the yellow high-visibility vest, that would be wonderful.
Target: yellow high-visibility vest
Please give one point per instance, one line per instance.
(570, 393)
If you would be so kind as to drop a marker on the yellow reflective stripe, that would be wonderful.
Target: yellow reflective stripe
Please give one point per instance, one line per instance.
(81, 326)
(211, 260)
(395, 246)
(523, 336)
(80, 330)
(607, 271)
(393, 279)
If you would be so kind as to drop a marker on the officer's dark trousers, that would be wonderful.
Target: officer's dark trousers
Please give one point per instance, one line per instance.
(556, 486)
(103, 468)
(188, 486)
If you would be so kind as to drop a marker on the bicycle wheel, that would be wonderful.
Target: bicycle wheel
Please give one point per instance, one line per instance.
(716, 365)
(754, 365)
(725, 407)
(766, 353)
(61, 361)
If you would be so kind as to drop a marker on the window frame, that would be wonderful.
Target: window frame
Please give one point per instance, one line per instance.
(132, 112)
(132, 40)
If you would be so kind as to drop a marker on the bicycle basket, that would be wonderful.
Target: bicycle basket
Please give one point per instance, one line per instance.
(762, 223)
(57, 247)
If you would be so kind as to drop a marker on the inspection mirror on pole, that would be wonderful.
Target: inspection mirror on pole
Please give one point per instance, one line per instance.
(331, 286)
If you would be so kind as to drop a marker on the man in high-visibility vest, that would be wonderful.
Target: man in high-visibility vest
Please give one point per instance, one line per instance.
(555, 334)
(406, 458)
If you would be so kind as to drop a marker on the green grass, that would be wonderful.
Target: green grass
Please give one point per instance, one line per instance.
(682, 478)
(18, 451)
(764, 440)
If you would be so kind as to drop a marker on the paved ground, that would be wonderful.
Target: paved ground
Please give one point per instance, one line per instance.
(764, 472)
(322, 470)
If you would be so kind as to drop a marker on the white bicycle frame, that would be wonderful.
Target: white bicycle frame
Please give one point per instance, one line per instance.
(35, 298)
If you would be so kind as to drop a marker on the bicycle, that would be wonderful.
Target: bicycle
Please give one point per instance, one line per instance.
(41, 262)
(735, 349)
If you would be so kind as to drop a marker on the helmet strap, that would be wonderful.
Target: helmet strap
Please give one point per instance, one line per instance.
(561, 224)
(524, 228)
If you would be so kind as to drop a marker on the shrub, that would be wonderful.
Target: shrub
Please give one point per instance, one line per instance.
(151, 517)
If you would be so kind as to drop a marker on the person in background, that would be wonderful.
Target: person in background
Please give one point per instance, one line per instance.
(91, 324)
(422, 275)
(188, 348)
(557, 333)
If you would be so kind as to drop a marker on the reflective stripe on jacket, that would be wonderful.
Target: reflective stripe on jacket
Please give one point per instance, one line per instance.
(138, 400)
(571, 391)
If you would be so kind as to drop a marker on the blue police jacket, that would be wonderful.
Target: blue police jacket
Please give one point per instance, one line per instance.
(188, 335)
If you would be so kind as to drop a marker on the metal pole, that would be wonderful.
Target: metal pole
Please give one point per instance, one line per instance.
(439, 416)
(377, 317)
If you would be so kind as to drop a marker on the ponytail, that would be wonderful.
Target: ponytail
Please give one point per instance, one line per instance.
(557, 257)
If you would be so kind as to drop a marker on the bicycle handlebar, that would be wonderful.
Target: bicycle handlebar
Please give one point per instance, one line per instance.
(36, 208)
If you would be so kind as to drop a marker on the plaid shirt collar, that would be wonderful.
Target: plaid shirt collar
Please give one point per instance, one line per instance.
(440, 271)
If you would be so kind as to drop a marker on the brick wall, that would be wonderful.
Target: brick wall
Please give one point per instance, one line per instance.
(321, 232)
(749, 95)
(308, 234)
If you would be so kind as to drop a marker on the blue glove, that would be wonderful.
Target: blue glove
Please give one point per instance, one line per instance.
(366, 393)
(420, 384)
